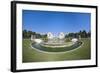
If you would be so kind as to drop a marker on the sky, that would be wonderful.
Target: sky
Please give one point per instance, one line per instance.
(55, 22)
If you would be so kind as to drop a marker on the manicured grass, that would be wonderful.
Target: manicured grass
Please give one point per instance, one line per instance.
(31, 55)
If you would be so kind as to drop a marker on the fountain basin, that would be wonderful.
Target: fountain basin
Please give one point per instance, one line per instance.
(56, 45)
(57, 48)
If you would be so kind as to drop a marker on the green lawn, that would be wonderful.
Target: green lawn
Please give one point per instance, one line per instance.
(31, 55)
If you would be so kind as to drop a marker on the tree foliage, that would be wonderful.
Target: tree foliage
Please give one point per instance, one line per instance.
(27, 34)
(82, 34)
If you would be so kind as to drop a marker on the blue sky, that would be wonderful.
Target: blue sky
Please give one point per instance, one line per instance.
(55, 22)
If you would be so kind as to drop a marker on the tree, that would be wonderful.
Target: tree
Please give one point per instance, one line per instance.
(84, 34)
(44, 37)
(38, 35)
(29, 33)
(24, 33)
(89, 34)
(81, 33)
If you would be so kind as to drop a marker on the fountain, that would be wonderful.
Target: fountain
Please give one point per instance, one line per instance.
(55, 41)
(56, 44)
